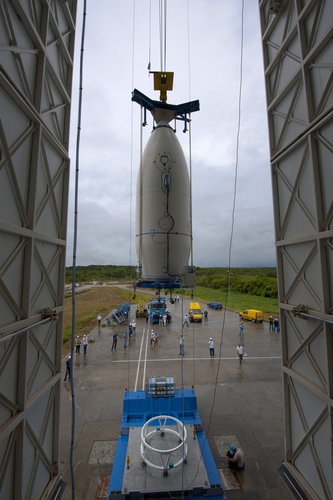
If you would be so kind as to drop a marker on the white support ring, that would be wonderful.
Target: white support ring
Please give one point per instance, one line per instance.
(164, 454)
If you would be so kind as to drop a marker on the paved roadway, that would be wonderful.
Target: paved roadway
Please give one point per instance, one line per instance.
(237, 403)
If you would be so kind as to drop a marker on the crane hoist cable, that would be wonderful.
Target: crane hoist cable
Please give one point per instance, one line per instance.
(188, 50)
(163, 32)
(132, 132)
(149, 43)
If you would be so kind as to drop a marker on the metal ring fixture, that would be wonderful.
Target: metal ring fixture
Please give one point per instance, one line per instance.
(156, 426)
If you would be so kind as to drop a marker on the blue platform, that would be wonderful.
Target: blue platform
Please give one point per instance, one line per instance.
(159, 285)
(138, 481)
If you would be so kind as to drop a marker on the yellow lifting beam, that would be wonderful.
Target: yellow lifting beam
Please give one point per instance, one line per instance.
(163, 81)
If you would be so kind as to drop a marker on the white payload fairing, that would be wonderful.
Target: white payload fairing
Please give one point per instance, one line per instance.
(163, 207)
(163, 223)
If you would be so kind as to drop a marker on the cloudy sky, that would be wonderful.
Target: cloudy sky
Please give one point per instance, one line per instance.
(203, 50)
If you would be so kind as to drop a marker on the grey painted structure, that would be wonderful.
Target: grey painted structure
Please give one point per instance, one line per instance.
(36, 63)
(297, 38)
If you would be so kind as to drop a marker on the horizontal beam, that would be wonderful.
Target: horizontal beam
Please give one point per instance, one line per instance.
(179, 109)
(29, 233)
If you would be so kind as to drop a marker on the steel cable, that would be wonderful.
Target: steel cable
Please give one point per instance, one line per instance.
(231, 236)
(77, 164)
(233, 207)
(131, 190)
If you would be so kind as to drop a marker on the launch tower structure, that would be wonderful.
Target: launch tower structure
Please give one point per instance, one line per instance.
(36, 72)
(298, 46)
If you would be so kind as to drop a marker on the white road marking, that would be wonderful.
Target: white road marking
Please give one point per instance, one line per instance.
(138, 369)
(145, 361)
(160, 360)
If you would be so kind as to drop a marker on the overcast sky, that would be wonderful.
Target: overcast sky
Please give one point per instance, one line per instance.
(203, 50)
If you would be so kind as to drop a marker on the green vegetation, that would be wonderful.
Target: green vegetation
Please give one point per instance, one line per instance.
(84, 274)
(261, 282)
(249, 287)
(94, 301)
(237, 271)
(101, 299)
(80, 325)
(237, 301)
(139, 297)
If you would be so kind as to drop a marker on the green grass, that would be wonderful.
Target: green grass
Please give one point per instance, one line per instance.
(90, 319)
(79, 325)
(238, 301)
(79, 292)
(139, 297)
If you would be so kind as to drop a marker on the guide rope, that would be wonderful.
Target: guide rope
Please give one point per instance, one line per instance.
(131, 193)
(77, 168)
(190, 172)
(191, 236)
(234, 194)
(182, 386)
(190, 169)
(140, 188)
(231, 237)
(234, 201)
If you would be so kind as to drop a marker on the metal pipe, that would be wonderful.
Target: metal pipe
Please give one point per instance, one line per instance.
(4, 337)
(311, 316)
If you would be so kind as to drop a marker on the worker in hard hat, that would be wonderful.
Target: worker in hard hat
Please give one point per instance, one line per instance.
(181, 345)
(211, 347)
(235, 458)
(68, 369)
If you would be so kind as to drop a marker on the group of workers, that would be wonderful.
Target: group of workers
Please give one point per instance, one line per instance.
(274, 324)
(127, 335)
(162, 319)
(78, 344)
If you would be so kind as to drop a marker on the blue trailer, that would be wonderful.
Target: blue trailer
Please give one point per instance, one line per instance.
(157, 308)
(162, 450)
(121, 314)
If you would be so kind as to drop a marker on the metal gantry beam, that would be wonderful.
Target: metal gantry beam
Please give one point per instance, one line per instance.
(297, 40)
(36, 66)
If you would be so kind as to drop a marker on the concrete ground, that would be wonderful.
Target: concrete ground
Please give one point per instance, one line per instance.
(239, 404)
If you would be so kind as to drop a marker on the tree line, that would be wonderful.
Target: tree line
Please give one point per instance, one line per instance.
(101, 273)
(260, 281)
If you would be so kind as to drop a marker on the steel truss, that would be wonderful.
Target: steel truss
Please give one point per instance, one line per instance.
(36, 65)
(297, 39)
